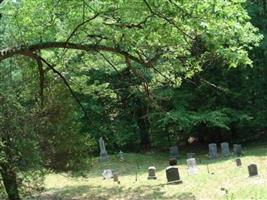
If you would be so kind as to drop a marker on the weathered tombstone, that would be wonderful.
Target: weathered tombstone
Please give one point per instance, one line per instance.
(173, 161)
(213, 151)
(238, 162)
(191, 155)
(174, 152)
(121, 156)
(107, 174)
(252, 170)
(225, 149)
(192, 166)
(237, 148)
(172, 175)
(115, 177)
(103, 151)
(152, 173)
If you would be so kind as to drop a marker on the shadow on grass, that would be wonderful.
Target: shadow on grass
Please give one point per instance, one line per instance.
(99, 193)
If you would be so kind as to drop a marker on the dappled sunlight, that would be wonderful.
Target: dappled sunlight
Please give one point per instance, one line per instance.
(218, 179)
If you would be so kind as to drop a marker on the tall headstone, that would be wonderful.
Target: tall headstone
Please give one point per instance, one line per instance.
(174, 152)
(225, 149)
(172, 174)
(103, 151)
(237, 148)
(192, 166)
(238, 162)
(252, 170)
(191, 155)
(152, 173)
(213, 151)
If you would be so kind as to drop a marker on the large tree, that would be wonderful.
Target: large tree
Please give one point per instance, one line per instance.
(167, 41)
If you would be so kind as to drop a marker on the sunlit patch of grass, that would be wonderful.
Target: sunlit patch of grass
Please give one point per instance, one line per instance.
(226, 182)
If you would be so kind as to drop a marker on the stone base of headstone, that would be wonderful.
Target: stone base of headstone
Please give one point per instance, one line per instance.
(174, 182)
(151, 177)
(103, 157)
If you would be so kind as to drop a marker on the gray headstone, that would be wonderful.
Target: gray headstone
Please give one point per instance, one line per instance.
(225, 149)
(103, 151)
(172, 174)
(191, 155)
(192, 166)
(121, 156)
(152, 173)
(238, 162)
(237, 148)
(174, 152)
(252, 170)
(213, 151)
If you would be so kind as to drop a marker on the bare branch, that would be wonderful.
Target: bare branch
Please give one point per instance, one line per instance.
(66, 83)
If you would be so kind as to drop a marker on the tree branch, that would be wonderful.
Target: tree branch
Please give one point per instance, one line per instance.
(29, 49)
(65, 82)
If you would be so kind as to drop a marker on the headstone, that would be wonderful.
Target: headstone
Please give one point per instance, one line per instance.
(107, 174)
(252, 170)
(174, 152)
(121, 156)
(238, 162)
(173, 161)
(115, 177)
(191, 155)
(103, 151)
(213, 151)
(225, 149)
(152, 173)
(172, 175)
(237, 148)
(192, 166)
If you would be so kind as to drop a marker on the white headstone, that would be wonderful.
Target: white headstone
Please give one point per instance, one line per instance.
(192, 166)
(107, 174)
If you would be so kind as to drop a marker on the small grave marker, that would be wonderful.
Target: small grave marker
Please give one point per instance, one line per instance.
(238, 162)
(252, 170)
(192, 166)
(152, 173)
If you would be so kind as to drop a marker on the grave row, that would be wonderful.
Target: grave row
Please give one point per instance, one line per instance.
(172, 171)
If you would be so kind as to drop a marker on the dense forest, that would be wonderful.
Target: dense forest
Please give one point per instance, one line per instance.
(143, 74)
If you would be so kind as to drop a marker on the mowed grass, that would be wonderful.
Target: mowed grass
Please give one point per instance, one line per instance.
(204, 185)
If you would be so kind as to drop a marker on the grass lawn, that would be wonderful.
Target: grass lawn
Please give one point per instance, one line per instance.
(201, 186)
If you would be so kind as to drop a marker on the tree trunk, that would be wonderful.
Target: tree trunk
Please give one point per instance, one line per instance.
(8, 171)
(144, 125)
(10, 181)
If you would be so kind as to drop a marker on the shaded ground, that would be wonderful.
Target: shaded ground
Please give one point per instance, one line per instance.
(227, 182)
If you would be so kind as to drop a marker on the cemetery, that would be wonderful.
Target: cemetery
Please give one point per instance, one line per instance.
(149, 176)
(133, 100)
